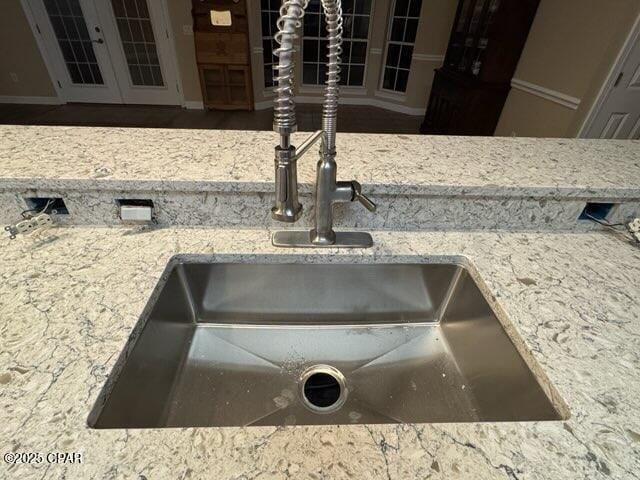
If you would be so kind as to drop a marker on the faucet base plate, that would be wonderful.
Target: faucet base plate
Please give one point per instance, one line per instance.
(302, 239)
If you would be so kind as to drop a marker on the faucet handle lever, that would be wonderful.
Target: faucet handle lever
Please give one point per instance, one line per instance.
(363, 199)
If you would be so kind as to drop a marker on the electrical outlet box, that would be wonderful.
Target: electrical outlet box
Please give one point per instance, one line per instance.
(47, 205)
(135, 214)
(596, 211)
(136, 211)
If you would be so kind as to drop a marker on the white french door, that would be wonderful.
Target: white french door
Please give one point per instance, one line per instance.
(137, 36)
(108, 51)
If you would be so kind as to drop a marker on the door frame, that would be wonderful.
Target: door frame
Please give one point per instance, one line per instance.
(608, 85)
(51, 66)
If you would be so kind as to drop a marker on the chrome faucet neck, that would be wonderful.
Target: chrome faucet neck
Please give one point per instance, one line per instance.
(328, 191)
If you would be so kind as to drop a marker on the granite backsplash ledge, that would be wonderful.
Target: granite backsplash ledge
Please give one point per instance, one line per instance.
(225, 178)
(91, 158)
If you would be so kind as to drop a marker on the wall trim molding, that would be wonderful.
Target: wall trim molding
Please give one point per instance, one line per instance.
(319, 90)
(194, 105)
(427, 57)
(368, 101)
(263, 105)
(31, 100)
(552, 95)
(390, 95)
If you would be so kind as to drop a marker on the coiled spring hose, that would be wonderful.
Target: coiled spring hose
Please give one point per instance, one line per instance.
(289, 21)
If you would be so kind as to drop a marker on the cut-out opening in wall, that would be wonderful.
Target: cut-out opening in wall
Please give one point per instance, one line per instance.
(136, 210)
(46, 205)
(134, 202)
(596, 211)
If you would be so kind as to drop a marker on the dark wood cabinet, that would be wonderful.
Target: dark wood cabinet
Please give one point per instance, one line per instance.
(225, 86)
(222, 53)
(470, 89)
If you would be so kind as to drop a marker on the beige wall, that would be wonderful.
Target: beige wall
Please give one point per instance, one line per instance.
(33, 78)
(20, 55)
(571, 48)
(432, 39)
(180, 16)
(433, 33)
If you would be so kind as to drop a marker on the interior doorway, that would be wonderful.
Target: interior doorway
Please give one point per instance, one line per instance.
(616, 112)
(107, 51)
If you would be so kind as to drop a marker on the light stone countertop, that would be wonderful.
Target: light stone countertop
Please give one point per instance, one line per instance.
(69, 158)
(67, 306)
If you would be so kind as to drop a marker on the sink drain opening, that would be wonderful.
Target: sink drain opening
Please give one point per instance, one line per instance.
(323, 389)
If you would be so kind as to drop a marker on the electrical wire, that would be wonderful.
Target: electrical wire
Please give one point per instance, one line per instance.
(24, 212)
(614, 228)
(604, 222)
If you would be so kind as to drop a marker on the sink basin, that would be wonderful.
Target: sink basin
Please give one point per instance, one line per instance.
(233, 344)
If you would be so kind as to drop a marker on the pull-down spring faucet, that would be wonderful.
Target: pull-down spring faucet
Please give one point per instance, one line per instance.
(328, 191)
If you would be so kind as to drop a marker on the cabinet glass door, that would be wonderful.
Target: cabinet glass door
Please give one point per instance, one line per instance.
(471, 36)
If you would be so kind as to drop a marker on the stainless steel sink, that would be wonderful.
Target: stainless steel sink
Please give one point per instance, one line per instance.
(223, 344)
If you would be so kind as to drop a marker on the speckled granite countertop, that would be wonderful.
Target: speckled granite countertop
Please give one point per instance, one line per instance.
(204, 160)
(67, 306)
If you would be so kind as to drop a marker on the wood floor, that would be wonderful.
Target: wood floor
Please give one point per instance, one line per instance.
(351, 118)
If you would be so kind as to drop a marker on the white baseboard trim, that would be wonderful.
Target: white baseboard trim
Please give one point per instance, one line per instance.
(546, 93)
(31, 100)
(264, 105)
(394, 107)
(372, 102)
(396, 97)
(191, 105)
(318, 90)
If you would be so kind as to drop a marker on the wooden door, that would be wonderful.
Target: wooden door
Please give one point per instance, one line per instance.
(227, 87)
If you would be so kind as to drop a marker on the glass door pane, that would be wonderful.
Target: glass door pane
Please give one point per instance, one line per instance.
(70, 29)
(138, 42)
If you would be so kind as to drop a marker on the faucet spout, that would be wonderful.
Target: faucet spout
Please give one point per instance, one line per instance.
(328, 190)
(286, 206)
